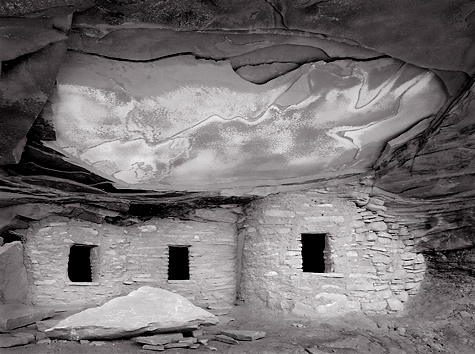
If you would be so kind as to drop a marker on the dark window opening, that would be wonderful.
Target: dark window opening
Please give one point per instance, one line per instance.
(315, 253)
(79, 265)
(178, 263)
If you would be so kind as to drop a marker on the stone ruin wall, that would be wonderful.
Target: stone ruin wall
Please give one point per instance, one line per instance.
(376, 269)
(375, 266)
(130, 257)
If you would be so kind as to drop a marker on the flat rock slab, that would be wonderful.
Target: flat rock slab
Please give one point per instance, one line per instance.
(225, 339)
(144, 310)
(244, 335)
(7, 341)
(156, 348)
(225, 319)
(160, 339)
(20, 315)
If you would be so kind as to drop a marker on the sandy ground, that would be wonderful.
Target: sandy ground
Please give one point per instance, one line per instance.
(441, 320)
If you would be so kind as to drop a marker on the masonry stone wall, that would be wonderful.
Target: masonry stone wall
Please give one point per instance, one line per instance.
(375, 268)
(126, 258)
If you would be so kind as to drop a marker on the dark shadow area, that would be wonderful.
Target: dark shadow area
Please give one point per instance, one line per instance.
(313, 256)
(79, 265)
(178, 263)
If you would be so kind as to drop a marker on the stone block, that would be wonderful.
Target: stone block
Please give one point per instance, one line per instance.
(394, 304)
(403, 231)
(159, 339)
(375, 207)
(384, 234)
(374, 306)
(408, 256)
(371, 236)
(225, 339)
(177, 345)
(352, 254)
(385, 294)
(330, 297)
(157, 348)
(381, 259)
(19, 315)
(377, 226)
(402, 296)
(8, 341)
(384, 241)
(376, 201)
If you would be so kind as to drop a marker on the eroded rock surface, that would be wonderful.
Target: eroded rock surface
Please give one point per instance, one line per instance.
(187, 123)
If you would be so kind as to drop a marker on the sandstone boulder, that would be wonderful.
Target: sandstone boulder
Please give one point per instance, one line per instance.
(144, 310)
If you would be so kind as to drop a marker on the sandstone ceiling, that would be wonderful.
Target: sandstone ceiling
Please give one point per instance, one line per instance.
(217, 101)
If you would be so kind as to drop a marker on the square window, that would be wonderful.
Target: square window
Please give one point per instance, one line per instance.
(82, 263)
(178, 263)
(316, 253)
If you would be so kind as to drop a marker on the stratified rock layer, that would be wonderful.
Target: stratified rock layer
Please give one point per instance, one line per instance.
(144, 310)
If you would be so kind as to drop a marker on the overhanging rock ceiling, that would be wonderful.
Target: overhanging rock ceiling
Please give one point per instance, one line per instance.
(190, 123)
(204, 95)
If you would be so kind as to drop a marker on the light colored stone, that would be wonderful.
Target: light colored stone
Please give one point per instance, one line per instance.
(374, 306)
(352, 254)
(280, 213)
(160, 339)
(19, 315)
(401, 331)
(144, 310)
(244, 335)
(371, 236)
(377, 226)
(395, 304)
(330, 297)
(403, 296)
(156, 348)
(148, 228)
(338, 308)
(359, 287)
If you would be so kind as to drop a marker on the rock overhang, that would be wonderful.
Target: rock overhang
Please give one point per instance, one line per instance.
(245, 35)
(187, 123)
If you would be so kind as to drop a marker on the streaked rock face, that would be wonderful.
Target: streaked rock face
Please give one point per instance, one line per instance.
(180, 121)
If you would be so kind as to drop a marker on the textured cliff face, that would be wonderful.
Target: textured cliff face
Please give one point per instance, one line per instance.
(117, 103)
